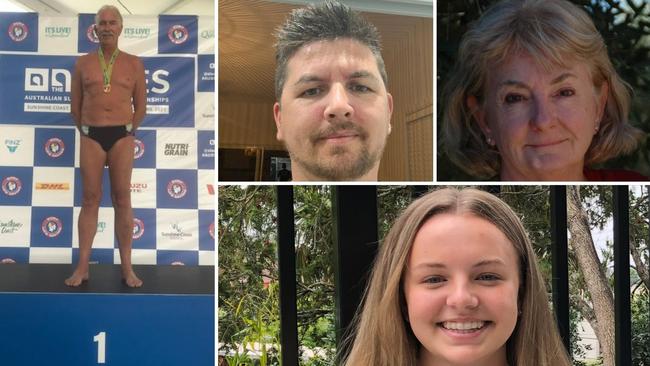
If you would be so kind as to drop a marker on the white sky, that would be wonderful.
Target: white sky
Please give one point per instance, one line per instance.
(601, 237)
(10, 7)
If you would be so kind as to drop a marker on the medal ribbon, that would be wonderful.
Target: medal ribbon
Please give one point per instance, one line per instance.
(107, 71)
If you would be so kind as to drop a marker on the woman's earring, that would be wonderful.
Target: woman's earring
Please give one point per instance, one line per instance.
(489, 140)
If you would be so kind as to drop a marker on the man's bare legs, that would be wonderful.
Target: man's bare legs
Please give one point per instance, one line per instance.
(91, 164)
(120, 166)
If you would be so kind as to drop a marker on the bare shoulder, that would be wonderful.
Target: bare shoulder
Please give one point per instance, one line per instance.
(84, 59)
(133, 60)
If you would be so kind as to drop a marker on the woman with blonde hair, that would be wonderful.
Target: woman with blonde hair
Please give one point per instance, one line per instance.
(534, 96)
(456, 282)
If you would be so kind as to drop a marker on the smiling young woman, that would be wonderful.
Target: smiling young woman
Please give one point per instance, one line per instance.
(456, 282)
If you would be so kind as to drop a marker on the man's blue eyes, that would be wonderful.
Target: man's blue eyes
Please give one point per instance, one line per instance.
(311, 92)
(360, 88)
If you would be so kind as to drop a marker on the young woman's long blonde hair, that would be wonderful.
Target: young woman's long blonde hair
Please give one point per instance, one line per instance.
(384, 338)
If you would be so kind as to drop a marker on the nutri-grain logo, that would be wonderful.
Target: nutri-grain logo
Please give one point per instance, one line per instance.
(18, 31)
(176, 188)
(54, 147)
(51, 226)
(138, 149)
(138, 228)
(177, 149)
(178, 34)
(11, 186)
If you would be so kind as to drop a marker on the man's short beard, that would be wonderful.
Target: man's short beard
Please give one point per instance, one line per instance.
(345, 171)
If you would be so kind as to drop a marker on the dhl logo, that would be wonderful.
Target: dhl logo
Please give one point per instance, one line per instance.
(53, 186)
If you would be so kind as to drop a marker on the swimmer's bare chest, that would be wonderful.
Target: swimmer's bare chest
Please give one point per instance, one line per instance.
(107, 109)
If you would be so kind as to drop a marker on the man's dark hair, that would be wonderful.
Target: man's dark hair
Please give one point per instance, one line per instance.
(328, 21)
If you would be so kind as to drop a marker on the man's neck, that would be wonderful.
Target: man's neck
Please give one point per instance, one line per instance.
(298, 174)
(108, 49)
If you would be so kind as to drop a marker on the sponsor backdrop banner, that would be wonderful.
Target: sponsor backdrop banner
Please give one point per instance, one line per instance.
(40, 183)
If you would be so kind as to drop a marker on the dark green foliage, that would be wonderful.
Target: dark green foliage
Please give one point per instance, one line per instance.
(247, 311)
(641, 329)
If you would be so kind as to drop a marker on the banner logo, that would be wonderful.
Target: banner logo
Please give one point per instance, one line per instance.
(18, 31)
(11, 186)
(138, 149)
(9, 227)
(176, 188)
(91, 35)
(101, 226)
(138, 187)
(208, 152)
(158, 104)
(138, 228)
(12, 145)
(210, 189)
(211, 230)
(176, 149)
(177, 233)
(38, 80)
(51, 226)
(58, 32)
(53, 186)
(207, 34)
(54, 147)
(178, 34)
(208, 114)
(136, 33)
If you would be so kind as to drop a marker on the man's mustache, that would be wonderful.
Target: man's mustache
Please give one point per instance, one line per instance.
(338, 127)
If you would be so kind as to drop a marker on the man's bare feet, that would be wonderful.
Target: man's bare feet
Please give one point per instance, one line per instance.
(76, 279)
(131, 279)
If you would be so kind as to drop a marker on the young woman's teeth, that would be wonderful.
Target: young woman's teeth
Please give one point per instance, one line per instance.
(463, 325)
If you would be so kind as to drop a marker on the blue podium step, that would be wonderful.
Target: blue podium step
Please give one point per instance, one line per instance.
(169, 321)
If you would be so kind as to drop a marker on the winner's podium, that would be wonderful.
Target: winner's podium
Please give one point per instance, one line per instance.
(168, 321)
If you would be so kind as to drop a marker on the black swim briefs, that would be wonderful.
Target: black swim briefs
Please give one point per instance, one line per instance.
(107, 136)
